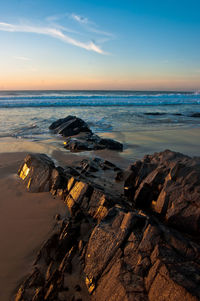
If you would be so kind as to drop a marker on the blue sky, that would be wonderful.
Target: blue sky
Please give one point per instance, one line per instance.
(134, 44)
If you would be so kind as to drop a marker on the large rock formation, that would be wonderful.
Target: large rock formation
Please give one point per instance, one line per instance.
(167, 183)
(107, 249)
(84, 138)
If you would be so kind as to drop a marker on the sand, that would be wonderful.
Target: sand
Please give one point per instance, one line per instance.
(26, 220)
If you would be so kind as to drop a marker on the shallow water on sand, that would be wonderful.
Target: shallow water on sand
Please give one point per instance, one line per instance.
(143, 121)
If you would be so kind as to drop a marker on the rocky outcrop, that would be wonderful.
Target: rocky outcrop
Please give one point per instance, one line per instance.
(84, 139)
(109, 250)
(167, 183)
(37, 172)
(69, 126)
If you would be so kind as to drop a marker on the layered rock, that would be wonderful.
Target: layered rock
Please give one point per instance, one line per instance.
(167, 183)
(106, 249)
(69, 126)
(84, 138)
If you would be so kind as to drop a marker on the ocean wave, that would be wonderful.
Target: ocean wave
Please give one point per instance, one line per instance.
(92, 103)
(108, 98)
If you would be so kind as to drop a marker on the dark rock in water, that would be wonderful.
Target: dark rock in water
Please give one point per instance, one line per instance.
(111, 144)
(196, 115)
(84, 139)
(69, 126)
(168, 183)
(155, 113)
(108, 250)
(74, 145)
(61, 121)
(91, 142)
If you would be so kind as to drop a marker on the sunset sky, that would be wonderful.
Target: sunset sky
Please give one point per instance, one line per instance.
(89, 44)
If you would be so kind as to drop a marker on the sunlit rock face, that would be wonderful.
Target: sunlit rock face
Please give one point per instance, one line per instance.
(36, 172)
(108, 250)
(168, 184)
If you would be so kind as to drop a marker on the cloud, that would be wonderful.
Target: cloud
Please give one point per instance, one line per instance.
(52, 32)
(89, 25)
(80, 19)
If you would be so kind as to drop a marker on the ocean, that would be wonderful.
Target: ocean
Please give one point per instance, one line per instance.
(28, 114)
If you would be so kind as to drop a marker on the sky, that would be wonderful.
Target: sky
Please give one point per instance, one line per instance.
(106, 44)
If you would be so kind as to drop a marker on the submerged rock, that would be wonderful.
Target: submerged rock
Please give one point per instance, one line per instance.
(84, 139)
(69, 126)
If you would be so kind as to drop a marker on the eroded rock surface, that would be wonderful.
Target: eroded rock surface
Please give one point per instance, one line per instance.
(106, 249)
(69, 126)
(80, 137)
(167, 183)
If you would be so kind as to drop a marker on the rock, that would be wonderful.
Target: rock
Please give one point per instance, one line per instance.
(36, 172)
(109, 250)
(92, 142)
(84, 139)
(196, 115)
(104, 241)
(111, 144)
(69, 126)
(167, 183)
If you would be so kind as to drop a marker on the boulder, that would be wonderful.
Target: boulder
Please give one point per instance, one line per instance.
(69, 126)
(84, 139)
(36, 172)
(167, 183)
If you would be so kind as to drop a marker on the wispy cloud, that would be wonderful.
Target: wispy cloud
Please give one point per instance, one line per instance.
(89, 25)
(52, 32)
(80, 19)
(22, 58)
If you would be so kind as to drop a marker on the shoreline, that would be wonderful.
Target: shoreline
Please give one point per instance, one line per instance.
(26, 212)
(137, 143)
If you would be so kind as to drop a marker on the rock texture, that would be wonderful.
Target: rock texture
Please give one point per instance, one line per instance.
(69, 126)
(168, 184)
(114, 247)
(84, 138)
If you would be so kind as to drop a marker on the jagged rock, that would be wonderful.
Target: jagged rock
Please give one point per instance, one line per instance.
(36, 172)
(84, 139)
(121, 253)
(105, 239)
(146, 266)
(167, 183)
(69, 126)
(91, 142)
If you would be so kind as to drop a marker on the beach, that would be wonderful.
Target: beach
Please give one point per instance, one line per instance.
(27, 219)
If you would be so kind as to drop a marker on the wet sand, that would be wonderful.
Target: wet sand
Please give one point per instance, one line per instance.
(26, 220)
(139, 143)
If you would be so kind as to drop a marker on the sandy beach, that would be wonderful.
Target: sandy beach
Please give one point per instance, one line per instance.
(27, 219)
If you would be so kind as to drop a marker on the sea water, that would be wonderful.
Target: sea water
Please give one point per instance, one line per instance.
(28, 114)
